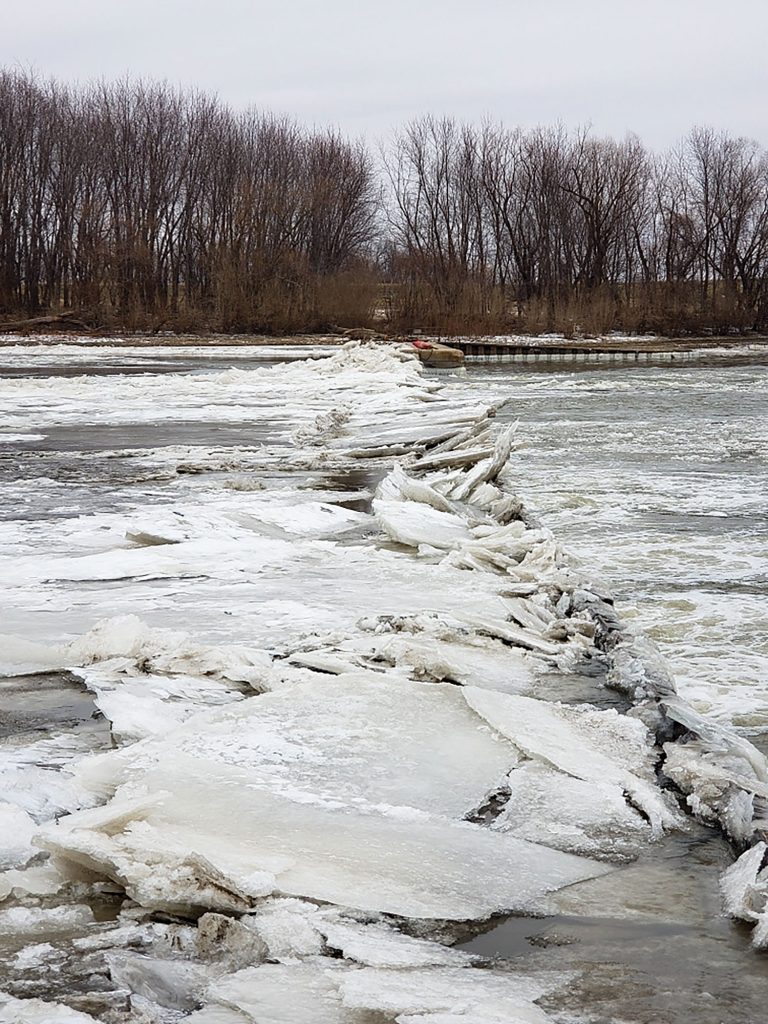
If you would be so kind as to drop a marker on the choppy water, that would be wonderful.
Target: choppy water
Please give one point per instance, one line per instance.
(658, 477)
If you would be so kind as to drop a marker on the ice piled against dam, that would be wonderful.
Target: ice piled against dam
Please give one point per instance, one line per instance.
(331, 734)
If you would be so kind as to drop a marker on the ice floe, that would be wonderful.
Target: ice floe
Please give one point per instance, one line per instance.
(200, 840)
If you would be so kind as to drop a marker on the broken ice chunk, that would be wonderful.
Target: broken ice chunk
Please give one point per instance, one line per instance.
(744, 886)
(484, 662)
(174, 984)
(379, 945)
(16, 831)
(37, 1011)
(589, 818)
(413, 523)
(596, 746)
(287, 929)
(38, 880)
(44, 920)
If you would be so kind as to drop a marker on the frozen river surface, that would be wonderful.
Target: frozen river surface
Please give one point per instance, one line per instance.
(234, 527)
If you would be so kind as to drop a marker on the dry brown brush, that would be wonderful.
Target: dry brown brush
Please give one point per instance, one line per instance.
(136, 205)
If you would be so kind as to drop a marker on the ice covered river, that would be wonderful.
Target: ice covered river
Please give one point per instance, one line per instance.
(172, 490)
(657, 476)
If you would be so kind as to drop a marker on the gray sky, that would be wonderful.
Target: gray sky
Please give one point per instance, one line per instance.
(655, 67)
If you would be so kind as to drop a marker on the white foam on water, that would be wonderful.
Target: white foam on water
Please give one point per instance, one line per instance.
(660, 487)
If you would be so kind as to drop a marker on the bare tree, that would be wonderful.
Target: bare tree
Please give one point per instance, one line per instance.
(141, 203)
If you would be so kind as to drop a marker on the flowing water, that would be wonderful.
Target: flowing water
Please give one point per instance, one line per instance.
(658, 479)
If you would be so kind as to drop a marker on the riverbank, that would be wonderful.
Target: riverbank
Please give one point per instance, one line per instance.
(312, 582)
(519, 342)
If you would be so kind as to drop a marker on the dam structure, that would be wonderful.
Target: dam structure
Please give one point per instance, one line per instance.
(606, 350)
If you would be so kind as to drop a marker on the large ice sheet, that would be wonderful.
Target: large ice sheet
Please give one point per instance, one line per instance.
(323, 994)
(233, 585)
(208, 838)
(354, 740)
(500, 995)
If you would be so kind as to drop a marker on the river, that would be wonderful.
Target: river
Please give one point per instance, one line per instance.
(655, 477)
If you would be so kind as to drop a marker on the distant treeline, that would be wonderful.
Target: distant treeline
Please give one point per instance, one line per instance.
(138, 205)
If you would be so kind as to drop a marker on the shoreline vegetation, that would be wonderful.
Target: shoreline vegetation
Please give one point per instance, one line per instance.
(137, 207)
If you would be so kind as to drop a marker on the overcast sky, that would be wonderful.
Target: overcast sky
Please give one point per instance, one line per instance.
(655, 67)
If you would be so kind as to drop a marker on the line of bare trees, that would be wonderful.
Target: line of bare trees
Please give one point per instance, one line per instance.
(139, 205)
(552, 230)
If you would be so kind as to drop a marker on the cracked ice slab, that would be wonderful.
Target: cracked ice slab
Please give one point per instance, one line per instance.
(340, 995)
(595, 746)
(378, 945)
(590, 818)
(207, 838)
(352, 740)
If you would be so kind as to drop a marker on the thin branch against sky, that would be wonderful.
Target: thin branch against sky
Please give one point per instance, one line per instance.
(654, 68)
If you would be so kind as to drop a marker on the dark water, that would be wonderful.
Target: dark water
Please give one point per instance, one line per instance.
(659, 951)
(43, 702)
(103, 437)
(111, 361)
